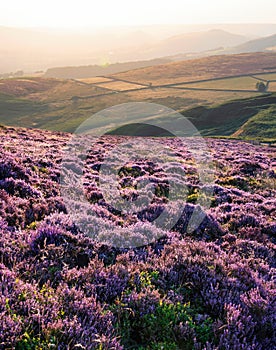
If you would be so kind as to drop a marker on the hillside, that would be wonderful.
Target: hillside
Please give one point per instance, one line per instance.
(261, 125)
(170, 48)
(33, 49)
(97, 70)
(263, 44)
(202, 68)
(62, 104)
(253, 118)
(257, 45)
(195, 42)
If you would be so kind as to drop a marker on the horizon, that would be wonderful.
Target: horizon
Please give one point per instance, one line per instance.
(36, 38)
(64, 15)
(130, 26)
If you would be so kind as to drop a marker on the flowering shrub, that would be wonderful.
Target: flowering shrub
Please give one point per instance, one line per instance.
(208, 286)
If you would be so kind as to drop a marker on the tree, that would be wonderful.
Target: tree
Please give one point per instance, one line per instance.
(261, 86)
(75, 99)
(19, 73)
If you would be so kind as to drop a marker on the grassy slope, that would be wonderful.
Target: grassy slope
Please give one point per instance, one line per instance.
(202, 68)
(48, 103)
(262, 125)
(14, 108)
(253, 118)
(54, 109)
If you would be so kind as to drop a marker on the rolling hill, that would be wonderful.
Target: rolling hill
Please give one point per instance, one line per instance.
(174, 48)
(248, 118)
(202, 68)
(251, 119)
(33, 49)
(62, 104)
(257, 45)
(78, 72)
(196, 42)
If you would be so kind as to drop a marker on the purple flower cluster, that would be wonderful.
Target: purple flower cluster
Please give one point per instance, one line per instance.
(211, 287)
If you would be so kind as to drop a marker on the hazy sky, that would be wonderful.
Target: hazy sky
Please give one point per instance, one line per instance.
(83, 13)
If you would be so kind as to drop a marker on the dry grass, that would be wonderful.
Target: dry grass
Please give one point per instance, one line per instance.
(270, 76)
(25, 87)
(66, 89)
(48, 103)
(120, 86)
(203, 68)
(242, 83)
(272, 86)
(95, 80)
(177, 99)
(50, 90)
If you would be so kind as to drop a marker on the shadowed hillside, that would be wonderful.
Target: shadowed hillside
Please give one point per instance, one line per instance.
(253, 118)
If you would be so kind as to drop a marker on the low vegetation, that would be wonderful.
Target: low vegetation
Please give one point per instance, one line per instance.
(207, 288)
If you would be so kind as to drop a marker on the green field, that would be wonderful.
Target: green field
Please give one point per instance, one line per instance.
(260, 126)
(267, 76)
(240, 83)
(251, 119)
(272, 87)
(228, 107)
(13, 110)
(63, 104)
(211, 112)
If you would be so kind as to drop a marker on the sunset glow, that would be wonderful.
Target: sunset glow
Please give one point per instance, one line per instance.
(85, 13)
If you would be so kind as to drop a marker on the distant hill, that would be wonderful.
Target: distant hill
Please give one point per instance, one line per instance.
(33, 49)
(96, 70)
(262, 44)
(196, 42)
(203, 42)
